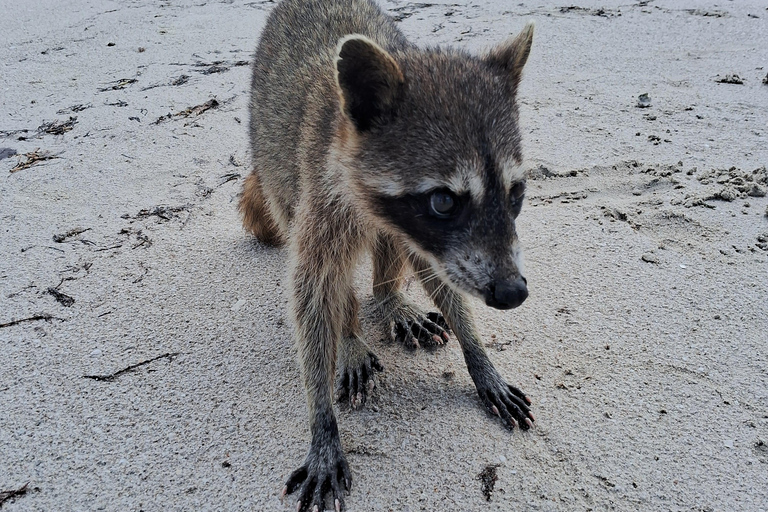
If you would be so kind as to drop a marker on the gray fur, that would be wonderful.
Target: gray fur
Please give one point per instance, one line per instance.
(356, 136)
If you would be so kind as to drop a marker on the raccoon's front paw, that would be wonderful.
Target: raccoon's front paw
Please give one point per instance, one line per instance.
(507, 402)
(325, 471)
(357, 367)
(413, 328)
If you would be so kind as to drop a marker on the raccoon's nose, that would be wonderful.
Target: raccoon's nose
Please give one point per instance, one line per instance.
(504, 295)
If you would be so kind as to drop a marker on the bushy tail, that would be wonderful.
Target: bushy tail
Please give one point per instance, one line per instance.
(256, 216)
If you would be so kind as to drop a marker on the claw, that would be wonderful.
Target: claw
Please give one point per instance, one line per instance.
(315, 509)
(418, 330)
(338, 505)
(283, 493)
(298, 506)
(507, 402)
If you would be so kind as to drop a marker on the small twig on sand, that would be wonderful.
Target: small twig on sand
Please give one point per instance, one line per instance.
(229, 177)
(111, 377)
(59, 238)
(43, 316)
(109, 248)
(7, 495)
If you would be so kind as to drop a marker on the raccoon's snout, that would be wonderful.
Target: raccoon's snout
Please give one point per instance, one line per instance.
(507, 295)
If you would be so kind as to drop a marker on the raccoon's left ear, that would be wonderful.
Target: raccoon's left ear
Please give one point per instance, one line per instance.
(510, 56)
(369, 81)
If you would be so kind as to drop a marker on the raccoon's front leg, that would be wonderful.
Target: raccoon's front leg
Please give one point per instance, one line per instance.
(357, 364)
(324, 246)
(406, 323)
(501, 399)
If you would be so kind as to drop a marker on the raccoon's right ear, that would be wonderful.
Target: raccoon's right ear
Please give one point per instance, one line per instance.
(369, 81)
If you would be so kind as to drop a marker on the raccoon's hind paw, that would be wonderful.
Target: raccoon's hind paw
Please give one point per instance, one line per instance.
(356, 377)
(325, 472)
(415, 329)
(507, 402)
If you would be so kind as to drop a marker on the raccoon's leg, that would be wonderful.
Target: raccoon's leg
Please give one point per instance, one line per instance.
(356, 363)
(325, 243)
(256, 216)
(407, 323)
(501, 399)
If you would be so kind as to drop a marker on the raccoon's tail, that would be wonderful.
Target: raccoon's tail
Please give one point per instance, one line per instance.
(256, 216)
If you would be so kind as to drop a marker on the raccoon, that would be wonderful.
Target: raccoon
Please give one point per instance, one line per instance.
(363, 143)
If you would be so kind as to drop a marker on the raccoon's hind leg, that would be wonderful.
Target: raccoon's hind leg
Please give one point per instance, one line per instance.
(356, 363)
(256, 216)
(406, 323)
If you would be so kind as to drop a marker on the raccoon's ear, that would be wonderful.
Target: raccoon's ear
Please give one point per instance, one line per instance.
(369, 81)
(510, 56)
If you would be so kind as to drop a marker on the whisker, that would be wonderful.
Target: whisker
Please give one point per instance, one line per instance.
(388, 281)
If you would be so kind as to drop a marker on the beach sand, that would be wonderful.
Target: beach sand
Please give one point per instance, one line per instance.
(643, 344)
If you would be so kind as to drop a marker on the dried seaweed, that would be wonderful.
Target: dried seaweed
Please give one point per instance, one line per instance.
(57, 127)
(74, 108)
(190, 112)
(163, 212)
(488, 478)
(730, 79)
(32, 158)
(118, 85)
(62, 298)
(175, 82)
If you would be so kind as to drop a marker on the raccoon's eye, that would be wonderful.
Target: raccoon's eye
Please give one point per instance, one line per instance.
(442, 204)
(517, 191)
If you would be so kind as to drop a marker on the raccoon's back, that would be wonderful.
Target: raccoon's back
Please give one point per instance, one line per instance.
(293, 96)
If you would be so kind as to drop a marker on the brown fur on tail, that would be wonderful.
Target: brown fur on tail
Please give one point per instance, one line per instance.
(256, 216)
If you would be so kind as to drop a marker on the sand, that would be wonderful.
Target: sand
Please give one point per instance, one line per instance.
(643, 345)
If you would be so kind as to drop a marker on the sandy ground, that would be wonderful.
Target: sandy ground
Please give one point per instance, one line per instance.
(644, 343)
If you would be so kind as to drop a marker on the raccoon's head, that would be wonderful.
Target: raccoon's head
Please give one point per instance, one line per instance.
(434, 153)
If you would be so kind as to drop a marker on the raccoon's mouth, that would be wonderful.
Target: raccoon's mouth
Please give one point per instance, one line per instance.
(499, 294)
(506, 294)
